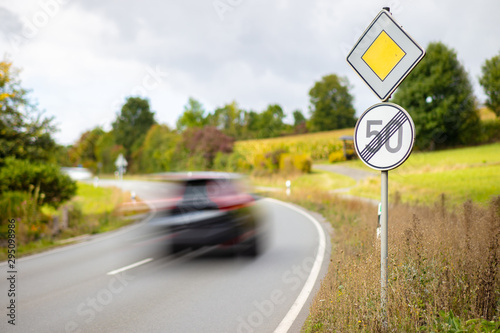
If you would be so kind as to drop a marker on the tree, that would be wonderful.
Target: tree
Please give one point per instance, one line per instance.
(193, 116)
(439, 97)
(298, 118)
(107, 152)
(229, 119)
(490, 81)
(132, 123)
(270, 123)
(84, 151)
(24, 132)
(250, 125)
(331, 104)
(299, 122)
(158, 149)
(27, 151)
(207, 142)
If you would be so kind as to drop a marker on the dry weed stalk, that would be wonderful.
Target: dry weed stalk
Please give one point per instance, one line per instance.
(439, 260)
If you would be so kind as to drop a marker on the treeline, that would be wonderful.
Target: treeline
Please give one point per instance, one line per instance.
(438, 94)
(204, 140)
(200, 141)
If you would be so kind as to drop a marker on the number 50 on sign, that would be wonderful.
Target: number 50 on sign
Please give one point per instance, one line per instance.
(384, 136)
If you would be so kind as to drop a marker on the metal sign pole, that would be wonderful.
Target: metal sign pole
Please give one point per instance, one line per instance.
(383, 56)
(384, 244)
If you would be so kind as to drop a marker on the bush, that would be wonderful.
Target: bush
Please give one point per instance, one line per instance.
(21, 175)
(10, 206)
(286, 164)
(490, 131)
(206, 142)
(269, 162)
(238, 163)
(221, 162)
(24, 207)
(295, 163)
(302, 162)
(336, 156)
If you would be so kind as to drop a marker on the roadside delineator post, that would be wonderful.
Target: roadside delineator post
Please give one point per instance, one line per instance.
(384, 134)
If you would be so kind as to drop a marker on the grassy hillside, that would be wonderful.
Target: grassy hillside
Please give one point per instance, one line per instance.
(461, 174)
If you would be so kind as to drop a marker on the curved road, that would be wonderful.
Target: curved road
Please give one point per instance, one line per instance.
(125, 281)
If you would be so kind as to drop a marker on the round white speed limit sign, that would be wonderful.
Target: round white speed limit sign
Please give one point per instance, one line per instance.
(384, 136)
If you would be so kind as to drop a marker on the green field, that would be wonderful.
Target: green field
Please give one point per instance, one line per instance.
(317, 179)
(461, 174)
(97, 200)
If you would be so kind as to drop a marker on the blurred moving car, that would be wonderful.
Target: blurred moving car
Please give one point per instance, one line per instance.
(213, 208)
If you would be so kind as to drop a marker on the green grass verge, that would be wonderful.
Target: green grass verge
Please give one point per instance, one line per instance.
(97, 200)
(317, 179)
(93, 210)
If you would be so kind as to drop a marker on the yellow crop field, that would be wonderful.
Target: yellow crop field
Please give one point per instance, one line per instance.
(317, 145)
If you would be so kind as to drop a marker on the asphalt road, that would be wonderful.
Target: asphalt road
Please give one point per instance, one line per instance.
(125, 281)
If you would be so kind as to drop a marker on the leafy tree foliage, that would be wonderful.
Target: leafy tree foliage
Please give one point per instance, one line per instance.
(331, 104)
(439, 97)
(133, 122)
(193, 116)
(84, 151)
(24, 132)
(158, 150)
(251, 125)
(107, 152)
(299, 122)
(228, 119)
(21, 175)
(27, 149)
(236, 122)
(490, 81)
(270, 122)
(207, 142)
(298, 118)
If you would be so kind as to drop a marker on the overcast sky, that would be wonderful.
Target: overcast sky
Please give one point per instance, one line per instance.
(81, 58)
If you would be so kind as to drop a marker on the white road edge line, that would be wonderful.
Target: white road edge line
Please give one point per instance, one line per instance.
(119, 270)
(301, 300)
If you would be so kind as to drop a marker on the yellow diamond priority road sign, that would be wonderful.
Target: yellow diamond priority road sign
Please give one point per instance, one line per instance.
(384, 55)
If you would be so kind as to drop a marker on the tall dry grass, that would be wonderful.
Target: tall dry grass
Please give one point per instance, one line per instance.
(440, 262)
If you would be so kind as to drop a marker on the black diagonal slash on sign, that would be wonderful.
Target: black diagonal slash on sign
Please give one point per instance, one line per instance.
(383, 136)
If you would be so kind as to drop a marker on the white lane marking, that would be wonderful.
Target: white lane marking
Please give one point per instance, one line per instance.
(119, 270)
(301, 300)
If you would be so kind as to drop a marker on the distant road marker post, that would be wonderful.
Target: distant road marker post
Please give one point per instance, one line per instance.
(384, 134)
(121, 163)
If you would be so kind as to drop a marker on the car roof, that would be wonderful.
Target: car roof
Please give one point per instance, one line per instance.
(197, 175)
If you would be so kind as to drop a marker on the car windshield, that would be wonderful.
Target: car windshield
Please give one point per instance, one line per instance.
(195, 189)
(221, 187)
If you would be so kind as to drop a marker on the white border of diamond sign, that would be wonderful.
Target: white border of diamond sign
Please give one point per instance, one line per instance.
(384, 136)
(413, 54)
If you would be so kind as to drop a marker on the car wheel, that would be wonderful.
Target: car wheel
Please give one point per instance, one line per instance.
(176, 248)
(252, 248)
